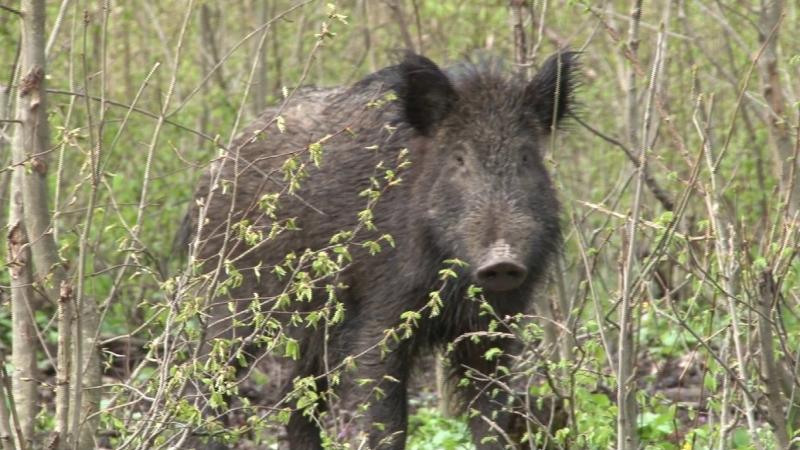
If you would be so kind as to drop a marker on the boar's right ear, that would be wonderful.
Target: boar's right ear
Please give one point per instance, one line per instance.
(425, 92)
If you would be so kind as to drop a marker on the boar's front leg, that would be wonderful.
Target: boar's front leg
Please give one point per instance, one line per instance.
(485, 402)
(302, 433)
(373, 394)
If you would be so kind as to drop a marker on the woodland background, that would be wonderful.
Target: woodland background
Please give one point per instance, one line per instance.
(679, 272)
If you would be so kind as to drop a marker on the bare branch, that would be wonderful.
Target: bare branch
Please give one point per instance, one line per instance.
(11, 10)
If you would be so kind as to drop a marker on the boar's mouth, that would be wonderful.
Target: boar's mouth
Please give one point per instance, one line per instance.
(500, 270)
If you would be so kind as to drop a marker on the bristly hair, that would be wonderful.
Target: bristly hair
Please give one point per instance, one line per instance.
(482, 74)
(428, 94)
(551, 90)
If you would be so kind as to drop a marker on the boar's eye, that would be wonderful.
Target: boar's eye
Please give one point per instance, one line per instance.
(460, 160)
(524, 158)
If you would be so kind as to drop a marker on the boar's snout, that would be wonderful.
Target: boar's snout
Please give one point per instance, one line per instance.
(501, 274)
(500, 270)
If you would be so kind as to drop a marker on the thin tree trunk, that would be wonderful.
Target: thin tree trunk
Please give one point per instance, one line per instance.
(86, 367)
(399, 16)
(6, 436)
(627, 438)
(518, 32)
(260, 88)
(23, 350)
(8, 412)
(63, 370)
(418, 24)
(631, 97)
(768, 293)
(33, 146)
(29, 213)
(209, 20)
(5, 176)
(367, 36)
(779, 128)
(23, 358)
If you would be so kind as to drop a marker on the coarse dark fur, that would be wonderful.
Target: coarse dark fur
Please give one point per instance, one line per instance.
(477, 186)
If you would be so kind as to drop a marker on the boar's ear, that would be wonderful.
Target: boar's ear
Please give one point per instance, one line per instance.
(425, 92)
(550, 91)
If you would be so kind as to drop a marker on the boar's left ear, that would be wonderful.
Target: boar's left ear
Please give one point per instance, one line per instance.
(425, 92)
(550, 92)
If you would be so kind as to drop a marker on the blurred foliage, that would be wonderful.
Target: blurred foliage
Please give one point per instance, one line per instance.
(429, 430)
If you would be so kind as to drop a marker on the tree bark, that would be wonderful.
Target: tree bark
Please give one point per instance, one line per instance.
(28, 245)
(23, 353)
(23, 348)
(777, 117)
(33, 225)
(5, 177)
(6, 436)
(32, 147)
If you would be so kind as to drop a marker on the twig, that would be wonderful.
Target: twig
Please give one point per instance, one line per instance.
(728, 266)
(230, 52)
(660, 194)
(62, 10)
(742, 91)
(11, 10)
(138, 110)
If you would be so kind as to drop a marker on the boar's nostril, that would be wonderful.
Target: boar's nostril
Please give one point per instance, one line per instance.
(501, 275)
